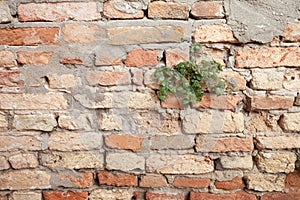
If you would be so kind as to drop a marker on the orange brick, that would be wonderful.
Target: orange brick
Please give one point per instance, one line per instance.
(71, 61)
(34, 57)
(73, 179)
(233, 184)
(159, 196)
(211, 33)
(291, 195)
(10, 79)
(223, 102)
(292, 32)
(125, 141)
(292, 180)
(176, 56)
(139, 58)
(7, 59)
(269, 102)
(168, 10)
(153, 181)
(111, 12)
(207, 10)
(117, 179)
(65, 195)
(172, 102)
(107, 78)
(208, 196)
(191, 182)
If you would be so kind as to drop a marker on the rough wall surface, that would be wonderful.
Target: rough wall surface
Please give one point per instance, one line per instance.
(80, 119)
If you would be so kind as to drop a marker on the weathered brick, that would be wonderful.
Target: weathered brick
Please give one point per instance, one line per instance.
(107, 78)
(214, 33)
(24, 160)
(73, 160)
(137, 76)
(173, 102)
(139, 58)
(276, 162)
(72, 179)
(278, 142)
(63, 81)
(265, 182)
(191, 182)
(111, 10)
(212, 122)
(149, 79)
(164, 196)
(261, 79)
(125, 141)
(43, 122)
(78, 33)
(228, 144)
(68, 141)
(290, 122)
(32, 36)
(233, 184)
(78, 11)
(243, 163)
(76, 121)
(24, 142)
(292, 32)
(125, 161)
(292, 180)
(7, 59)
(109, 56)
(276, 57)
(110, 122)
(71, 61)
(24, 179)
(65, 195)
(10, 79)
(208, 196)
(207, 10)
(293, 195)
(224, 102)
(48, 101)
(34, 57)
(21, 195)
(115, 193)
(176, 56)
(153, 181)
(4, 163)
(263, 122)
(3, 122)
(179, 164)
(5, 16)
(144, 35)
(168, 10)
(117, 179)
(172, 142)
(291, 80)
(273, 102)
(234, 81)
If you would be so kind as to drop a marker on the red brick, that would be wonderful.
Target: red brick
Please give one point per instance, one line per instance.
(139, 58)
(34, 57)
(191, 182)
(207, 10)
(159, 196)
(65, 195)
(211, 33)
(172, 102)
(292, 180)
(153, 181)
(233, 184)
(168, 10)
(111, 12)
(117, 179)
(10, 78)
(106, 78)
(292, 195)
(268, 57)
(78, 11)
(241, 195)
(292, 32)
(176, 56)
(223, 102)
(73, 179)
(71, 61)
(124, 141)
(7, 59)
(29, 36)
(269, 102)
(80, 33)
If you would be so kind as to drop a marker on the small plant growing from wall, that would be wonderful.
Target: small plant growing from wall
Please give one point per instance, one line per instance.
(188, 80)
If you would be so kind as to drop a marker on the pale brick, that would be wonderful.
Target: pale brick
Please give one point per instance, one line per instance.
(292, 32)
(34, 57)
(70, 160)
(72, 179)
(63, 81)
(291, 80)
(109, 56)
(68, 141)
(48, 101)
(176, 56)
(265, 182)
(290, 122)
(137, 76)
(5, 16)
(243, 163)
(211, 122)
(7, 59)
(110, 122)
(107, 78)
(76, 121)
(140, 58)
(4, 163)
(144, 35)
(26, 143)
(263, 122)
(65, 195)
(276, 162)
(278, 142)
(29, 36)
(153, 181)
(3, 122)
(111, 10)
(24, 179)
(150, 80)
(77, 33)
(78, 11)
(168, 10)
(233, 80)
(207, 10)
(21, 195)
(172, 142)
(125, 141)
(25, 160)
(223, 102)
(164, 196)
(209, 196)
(273, 102)
(43, 122)
(111, 194)
(125, 161)
(210, 54)
(261, 79)
(228, 144)
(214, 33)
(276, 57)
(179, 164)
(10, 79)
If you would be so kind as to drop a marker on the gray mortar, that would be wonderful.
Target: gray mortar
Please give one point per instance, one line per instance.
(260, 20)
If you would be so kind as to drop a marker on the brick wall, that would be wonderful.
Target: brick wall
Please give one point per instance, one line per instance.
(79, 117)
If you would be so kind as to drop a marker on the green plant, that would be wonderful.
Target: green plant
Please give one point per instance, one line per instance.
(187, 80)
